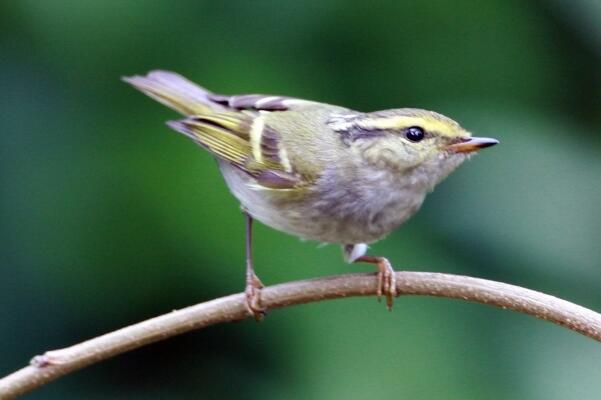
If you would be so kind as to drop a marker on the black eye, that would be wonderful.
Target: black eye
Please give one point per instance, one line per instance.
(414, 133)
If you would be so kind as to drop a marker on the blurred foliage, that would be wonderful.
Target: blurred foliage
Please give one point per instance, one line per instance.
(108, 218)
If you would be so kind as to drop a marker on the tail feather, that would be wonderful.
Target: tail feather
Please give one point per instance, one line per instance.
(175, 91)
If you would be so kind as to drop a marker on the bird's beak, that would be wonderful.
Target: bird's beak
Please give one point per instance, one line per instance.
(470, 145)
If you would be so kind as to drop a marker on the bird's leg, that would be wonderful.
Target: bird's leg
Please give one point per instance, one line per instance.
(386, 278)
(253, 284)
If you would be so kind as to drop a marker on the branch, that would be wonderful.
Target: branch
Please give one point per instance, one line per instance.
(56, 363)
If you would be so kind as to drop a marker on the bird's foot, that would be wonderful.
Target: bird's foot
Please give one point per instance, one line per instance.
(253, 297)
(386, 278)
(386, 281)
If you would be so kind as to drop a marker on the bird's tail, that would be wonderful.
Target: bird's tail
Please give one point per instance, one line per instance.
(175, 92)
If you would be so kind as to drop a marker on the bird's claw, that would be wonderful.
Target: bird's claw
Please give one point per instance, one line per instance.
(253, 297)
(386, 282)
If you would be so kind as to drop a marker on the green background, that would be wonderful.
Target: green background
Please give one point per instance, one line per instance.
(108, 217)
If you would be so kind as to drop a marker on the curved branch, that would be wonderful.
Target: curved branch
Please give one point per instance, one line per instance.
(56, 363)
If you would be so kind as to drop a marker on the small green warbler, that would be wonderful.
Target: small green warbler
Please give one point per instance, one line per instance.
(315, 170)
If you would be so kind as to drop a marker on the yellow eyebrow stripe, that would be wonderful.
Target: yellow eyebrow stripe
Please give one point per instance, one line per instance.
(399, 122)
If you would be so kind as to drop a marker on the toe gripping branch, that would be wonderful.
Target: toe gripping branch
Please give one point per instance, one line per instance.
(386, 278)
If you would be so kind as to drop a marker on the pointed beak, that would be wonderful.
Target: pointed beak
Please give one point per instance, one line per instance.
(470, 145)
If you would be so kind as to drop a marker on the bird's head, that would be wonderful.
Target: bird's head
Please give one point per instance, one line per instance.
(424, 145)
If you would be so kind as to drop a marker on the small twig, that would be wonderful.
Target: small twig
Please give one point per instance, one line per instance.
(54, 364)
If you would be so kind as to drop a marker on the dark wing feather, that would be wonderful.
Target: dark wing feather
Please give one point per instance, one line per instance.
(262, 102)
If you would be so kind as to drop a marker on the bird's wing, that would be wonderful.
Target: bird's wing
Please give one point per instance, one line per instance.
(243, 140)
(230, 127)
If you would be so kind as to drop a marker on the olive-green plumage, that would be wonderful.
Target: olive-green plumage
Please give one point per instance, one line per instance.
(315, 170)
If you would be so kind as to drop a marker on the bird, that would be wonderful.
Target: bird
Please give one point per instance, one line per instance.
(317, 171)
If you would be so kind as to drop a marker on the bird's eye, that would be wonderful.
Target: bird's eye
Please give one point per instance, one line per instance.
(414, 133)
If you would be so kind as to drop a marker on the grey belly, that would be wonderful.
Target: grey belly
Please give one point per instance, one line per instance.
(326, 217)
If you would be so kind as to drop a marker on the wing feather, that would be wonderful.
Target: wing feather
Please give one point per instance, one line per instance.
(232, 137)
(232, 128)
